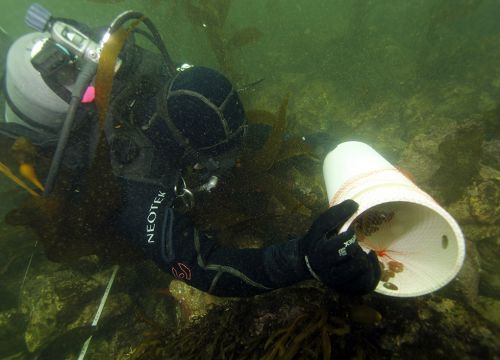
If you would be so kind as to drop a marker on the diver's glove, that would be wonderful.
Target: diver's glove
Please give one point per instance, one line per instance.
(337, 259)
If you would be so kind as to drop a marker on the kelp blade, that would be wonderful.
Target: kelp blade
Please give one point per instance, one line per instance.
(106, 68)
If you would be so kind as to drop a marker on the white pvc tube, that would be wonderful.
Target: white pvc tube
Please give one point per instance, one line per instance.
(421, 235)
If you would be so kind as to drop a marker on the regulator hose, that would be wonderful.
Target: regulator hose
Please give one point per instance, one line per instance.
(82, 81)
(156, 37)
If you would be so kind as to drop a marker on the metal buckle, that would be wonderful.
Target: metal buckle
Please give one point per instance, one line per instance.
(184, 194)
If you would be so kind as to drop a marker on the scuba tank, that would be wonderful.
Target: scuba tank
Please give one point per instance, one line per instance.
(30, 103)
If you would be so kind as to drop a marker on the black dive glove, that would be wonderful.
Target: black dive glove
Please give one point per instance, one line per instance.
(337, 259)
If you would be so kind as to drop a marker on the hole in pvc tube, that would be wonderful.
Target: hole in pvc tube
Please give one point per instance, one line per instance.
(408, 239)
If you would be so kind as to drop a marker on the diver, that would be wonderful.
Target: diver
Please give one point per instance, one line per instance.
(161, 120)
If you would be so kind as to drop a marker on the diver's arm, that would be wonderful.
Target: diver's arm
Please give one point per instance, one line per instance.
(336, 259)
(223, 271)
(173, 242)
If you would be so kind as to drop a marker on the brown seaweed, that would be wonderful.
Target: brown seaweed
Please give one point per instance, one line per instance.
(4, 169)
(240, 203)
(71, 224)
(244, 37)
(224, 333)
(265, 157)
(210, 16)
(24, 156)
(364, 314)
(106, 68)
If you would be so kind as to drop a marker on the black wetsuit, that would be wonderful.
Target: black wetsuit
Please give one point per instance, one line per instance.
(171, 240)
(166, 236)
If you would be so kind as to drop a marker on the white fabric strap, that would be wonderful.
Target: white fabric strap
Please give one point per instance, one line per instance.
(310, 269)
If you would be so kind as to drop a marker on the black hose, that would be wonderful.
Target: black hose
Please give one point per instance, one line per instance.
(83, 80)
(146, 34)
(157, 40)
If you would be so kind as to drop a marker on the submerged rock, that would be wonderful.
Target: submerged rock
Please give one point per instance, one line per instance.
(12, 325)
(489, 308)
(191, 302)
(55, 302)
(489, 285)
(445, 160)
(491, 153)
(465, 286)
(477, 232)
(484, 197)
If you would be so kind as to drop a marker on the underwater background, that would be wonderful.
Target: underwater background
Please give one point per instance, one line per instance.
(417, 80)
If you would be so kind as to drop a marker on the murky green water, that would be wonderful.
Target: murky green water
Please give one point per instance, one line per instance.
(417, 80)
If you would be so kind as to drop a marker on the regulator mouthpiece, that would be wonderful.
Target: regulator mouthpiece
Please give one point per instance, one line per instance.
(38, 17)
